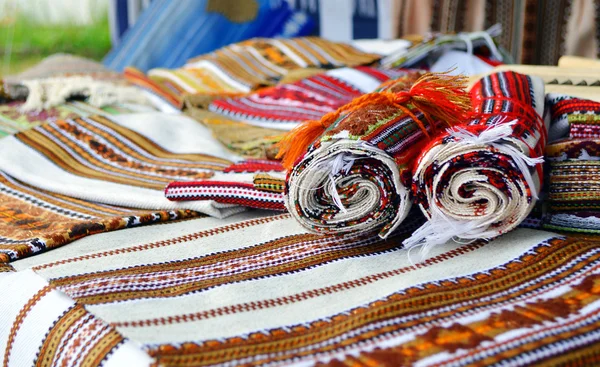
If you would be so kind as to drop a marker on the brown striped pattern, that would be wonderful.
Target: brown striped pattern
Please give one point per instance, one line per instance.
(6, 268)
(73, 328)
(420, 310)
(99, 149)
(277, 257)
(254, 64)
(19, 320)
(169, 242)
(298, 297)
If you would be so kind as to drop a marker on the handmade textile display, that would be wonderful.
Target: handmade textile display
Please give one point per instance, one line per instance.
(125, 241)
(246, 66)
(348, 170)
(482, 179)
(574, 165)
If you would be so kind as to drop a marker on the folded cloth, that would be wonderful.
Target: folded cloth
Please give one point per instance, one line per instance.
(253, 183)
(482, 179)
(246, 66)
(574, 166)
(286, 105)
(348, 171)
(572, 117)
(125, 160)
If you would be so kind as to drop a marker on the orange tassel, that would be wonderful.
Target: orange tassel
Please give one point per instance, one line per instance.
(437, 95)
(296, 142)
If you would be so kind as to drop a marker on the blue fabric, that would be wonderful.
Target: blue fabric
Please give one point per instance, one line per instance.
(122, 21)
(170, 32)
(365, 19)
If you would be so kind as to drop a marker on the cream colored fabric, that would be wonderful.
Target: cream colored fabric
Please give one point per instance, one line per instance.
(133, 247)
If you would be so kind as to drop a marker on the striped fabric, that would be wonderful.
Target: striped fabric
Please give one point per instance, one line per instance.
(238, 193)
(260, 290)
(286, 105)
(45, 327)
(35, 220)
(262, 189)
(67, 179)
(574, 177)
(246, 66)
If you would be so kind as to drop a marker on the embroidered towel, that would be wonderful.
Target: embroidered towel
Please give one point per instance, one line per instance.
(482, 179)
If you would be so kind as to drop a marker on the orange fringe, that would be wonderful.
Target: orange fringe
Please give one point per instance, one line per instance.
(437, 95)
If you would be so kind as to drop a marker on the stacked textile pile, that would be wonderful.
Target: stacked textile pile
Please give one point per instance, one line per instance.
(573, 193)
(101, 269)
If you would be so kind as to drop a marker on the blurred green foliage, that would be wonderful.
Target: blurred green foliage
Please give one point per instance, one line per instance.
(32, 41)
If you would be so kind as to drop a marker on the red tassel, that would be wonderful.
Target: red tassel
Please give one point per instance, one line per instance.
(442, 96)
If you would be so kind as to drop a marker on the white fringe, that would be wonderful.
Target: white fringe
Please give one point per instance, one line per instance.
(440, 228)
(50, 92)
(490, 135)
(340, 163)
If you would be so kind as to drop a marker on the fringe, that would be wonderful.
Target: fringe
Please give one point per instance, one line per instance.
(441, 228)
(50, 92)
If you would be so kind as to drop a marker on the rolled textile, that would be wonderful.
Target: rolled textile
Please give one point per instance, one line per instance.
(482, 179)
(350, 171)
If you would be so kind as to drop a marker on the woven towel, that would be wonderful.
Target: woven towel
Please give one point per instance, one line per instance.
(246, 66)
(286, 105)
(482, 179)
(354, 177)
